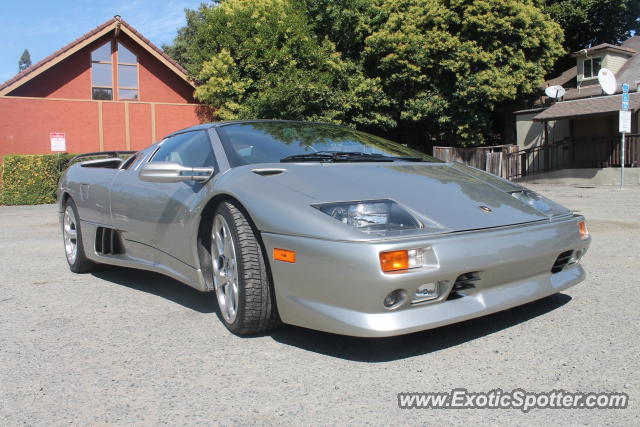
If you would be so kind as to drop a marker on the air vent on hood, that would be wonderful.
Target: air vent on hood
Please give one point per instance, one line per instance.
(268, 171)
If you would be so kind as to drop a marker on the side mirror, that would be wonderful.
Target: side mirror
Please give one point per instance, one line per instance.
(173, 172)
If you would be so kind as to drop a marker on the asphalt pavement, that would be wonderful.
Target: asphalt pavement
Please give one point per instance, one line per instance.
(131, 347)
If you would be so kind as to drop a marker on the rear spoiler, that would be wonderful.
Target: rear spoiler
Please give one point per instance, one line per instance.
(102, 153)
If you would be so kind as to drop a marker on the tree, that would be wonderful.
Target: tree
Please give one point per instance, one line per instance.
(260, 59)
(183, 48)
(25, 61)
(416, 70)
(347, 23)
(591, 22)
(446, 64)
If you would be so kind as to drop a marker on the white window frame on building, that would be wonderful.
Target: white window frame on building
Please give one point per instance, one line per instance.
(593, 73)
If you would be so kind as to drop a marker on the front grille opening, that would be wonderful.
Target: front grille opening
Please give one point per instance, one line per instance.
(463, 282)
(561, 262)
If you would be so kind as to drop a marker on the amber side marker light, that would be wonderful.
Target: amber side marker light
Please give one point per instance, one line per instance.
(394, 261)
(284, 255)
(584, 232)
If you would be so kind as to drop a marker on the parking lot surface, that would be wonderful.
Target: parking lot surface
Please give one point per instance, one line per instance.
(123, 346)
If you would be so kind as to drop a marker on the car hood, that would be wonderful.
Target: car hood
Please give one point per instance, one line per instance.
(449, 196)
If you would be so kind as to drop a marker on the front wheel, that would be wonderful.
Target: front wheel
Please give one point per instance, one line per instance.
(72, 238)
(242, 286)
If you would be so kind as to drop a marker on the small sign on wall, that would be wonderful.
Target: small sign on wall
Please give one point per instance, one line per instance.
(58, 141)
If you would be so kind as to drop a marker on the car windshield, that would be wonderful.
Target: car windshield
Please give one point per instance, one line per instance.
(273, 142)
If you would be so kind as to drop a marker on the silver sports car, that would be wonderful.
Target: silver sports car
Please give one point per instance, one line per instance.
(320, 226)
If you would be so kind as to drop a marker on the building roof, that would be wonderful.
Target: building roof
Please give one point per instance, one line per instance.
(606, 46)
(563, 78)
(114, 24)
(629, 73)
(632, 43)
(588, 106)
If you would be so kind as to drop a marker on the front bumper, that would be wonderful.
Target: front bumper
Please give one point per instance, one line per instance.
(339, 287)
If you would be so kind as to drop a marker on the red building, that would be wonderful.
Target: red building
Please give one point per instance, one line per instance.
(111, 89)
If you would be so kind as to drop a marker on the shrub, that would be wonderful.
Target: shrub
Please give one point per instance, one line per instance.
(31, 179)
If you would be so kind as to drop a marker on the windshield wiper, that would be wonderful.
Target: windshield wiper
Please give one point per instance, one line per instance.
(345, 156)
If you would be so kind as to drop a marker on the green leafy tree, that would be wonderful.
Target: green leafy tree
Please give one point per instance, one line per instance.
(446, 64)
(184, 48)
(263, 62)
(416, 70)
(260, 59)
(347, 23)
(591, 22)
(25, 61)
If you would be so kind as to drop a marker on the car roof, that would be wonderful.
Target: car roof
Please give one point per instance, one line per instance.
(206, 126)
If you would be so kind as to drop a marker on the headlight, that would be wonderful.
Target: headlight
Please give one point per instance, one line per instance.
(371, 215)
(540, 203)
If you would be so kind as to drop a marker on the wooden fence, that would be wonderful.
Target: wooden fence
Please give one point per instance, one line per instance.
(509, 162)
(494, 159)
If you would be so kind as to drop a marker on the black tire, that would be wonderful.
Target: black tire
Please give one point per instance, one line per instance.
(256, 310)
(79, 264)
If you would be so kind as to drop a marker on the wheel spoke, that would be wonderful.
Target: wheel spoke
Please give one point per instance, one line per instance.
(219, 243)
(227, 242)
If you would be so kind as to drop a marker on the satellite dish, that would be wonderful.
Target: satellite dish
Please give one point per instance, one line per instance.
(607, 81)
(555, 92)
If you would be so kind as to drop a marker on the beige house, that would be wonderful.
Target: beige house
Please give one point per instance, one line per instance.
(577, 136)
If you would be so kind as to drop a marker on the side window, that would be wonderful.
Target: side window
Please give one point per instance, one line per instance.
(191, 149)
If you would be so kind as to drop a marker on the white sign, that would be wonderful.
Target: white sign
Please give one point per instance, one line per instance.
(625, 121)
(58, 141)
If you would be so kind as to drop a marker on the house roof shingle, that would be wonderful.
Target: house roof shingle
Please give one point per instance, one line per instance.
(588, 106)
(602, 46)
(632, 43)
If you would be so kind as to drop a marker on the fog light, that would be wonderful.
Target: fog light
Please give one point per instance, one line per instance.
(426, 292)
(395, 299)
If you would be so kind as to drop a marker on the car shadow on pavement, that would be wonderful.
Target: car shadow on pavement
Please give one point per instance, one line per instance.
(162, 286)
(375, 350)
(371, 350)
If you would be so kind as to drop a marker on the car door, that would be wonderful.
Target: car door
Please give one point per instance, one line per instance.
(160, 214)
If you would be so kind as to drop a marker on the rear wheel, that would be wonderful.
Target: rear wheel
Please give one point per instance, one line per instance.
(242, 286)
(72, 237)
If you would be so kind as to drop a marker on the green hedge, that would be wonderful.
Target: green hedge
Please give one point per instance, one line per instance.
(31, 179)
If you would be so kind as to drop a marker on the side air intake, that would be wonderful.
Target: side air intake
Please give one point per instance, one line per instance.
(108, 242)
